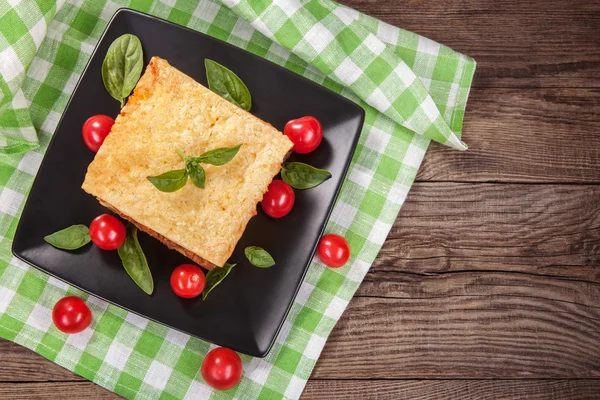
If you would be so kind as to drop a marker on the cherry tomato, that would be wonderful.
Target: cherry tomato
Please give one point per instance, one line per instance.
(107, 232)
(222, 368)
(306, 134)
(71, 315)
(187, 281)
(279, 199)
(333, 250)
(95, 130)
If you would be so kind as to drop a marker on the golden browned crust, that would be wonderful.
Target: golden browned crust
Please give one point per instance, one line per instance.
(169, 111)
(171, 245)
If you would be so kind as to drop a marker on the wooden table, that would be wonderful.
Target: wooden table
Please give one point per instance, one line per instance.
(489, 283)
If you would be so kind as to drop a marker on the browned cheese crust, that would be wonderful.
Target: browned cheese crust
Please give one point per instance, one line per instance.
(171, 245)
(169, 111)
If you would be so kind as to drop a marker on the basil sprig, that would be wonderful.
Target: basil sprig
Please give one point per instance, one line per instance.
(170, 181)
(174, 180)
(70, 238)
(134, 261)
(227, 84)
(259, 257)
(195, 171)
(122, 66)
(219, 156)
(303, 176)
(214, 277)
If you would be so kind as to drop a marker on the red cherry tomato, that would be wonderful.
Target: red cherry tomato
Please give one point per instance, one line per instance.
(187, 281)
(306, 134)
(107, 232)
(95, 130)
(71, 315)
(333, 250)
(279, 199)
(222, 368)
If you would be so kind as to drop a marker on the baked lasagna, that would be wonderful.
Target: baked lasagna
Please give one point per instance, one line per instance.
(169, 111)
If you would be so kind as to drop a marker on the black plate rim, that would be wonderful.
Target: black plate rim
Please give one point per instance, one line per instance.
(261, 353)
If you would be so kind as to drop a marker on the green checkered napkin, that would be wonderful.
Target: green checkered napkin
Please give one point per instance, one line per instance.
(412, 89)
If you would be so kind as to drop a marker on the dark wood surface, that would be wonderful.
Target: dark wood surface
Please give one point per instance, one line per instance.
(489, 283)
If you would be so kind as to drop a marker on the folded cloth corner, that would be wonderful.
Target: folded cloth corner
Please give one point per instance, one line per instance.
(379, 63)
(22, 29)
(337, 42)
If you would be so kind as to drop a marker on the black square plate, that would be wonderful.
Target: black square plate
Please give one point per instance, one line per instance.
(246, 311)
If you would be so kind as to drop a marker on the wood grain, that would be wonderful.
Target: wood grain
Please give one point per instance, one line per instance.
(538, 230)
(453, 389)
(54, 390)
(516, 43)
(475, 325)
(19, 364)
(479, 280)
(358, 389)
(515, 135)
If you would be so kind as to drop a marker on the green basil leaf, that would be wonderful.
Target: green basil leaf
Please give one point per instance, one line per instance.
(195, 171)
(227, 84)
(122, 66)
(214, 277)
(70, 238)
(259, 257)
(134, 260)
(220, 156)
(170, 181)
(303, 176)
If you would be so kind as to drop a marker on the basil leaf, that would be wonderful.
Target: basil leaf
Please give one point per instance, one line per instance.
(134, 260)
(303, 176)
(195, 171)
(122, 66)
(170, 181)
(259, 257)
(227, 84)
(214, 277)
(71, 238)
(220, 156)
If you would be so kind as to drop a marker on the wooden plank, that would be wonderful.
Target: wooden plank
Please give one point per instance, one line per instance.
(392, 9)
(514, 135)
(443, 228)
(479, 280)
(517, 44)
(453, 389)
(476, 325)
(20, 364)
(54, 390)
(357, 389)
(315, 389)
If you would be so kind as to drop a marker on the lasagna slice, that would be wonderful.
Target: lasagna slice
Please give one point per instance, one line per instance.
(169, 111)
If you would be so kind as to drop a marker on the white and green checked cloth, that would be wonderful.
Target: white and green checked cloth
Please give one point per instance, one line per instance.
(413, 90)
